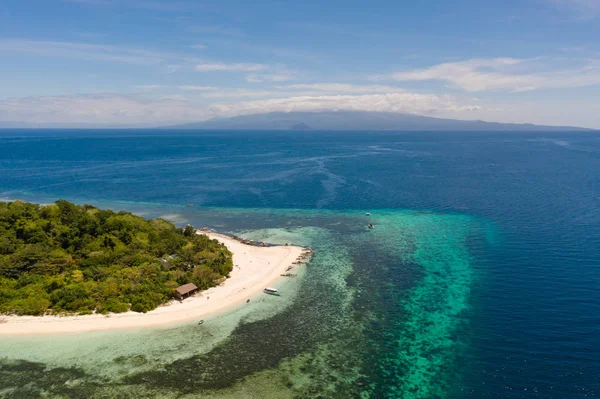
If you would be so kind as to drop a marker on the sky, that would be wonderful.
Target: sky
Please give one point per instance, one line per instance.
(160, 62)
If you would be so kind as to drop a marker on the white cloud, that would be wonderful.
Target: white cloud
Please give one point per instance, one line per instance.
(239, 67)
(394, 102)
(255, 73)
(148, 87)
(294, 90)
(242, 93)
(94, 52)
(235, 92)
(467, 108)
(197, 88)
(507, 74)
(115, 109)
(199, 46)
(344, 88)
(100, 109)
(169, 62)
(274, 77)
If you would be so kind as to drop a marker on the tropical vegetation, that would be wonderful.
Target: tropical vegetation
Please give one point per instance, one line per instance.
(65, 258)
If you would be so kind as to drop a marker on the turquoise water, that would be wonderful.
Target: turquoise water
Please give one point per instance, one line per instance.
(426, 340)
(480, 278)
(315, 339)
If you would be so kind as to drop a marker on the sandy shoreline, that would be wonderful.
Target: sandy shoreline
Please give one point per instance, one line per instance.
(254, 269)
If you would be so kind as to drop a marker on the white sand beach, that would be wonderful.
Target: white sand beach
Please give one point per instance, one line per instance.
(254, 269)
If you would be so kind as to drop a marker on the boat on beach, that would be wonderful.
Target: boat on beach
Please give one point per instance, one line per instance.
(272, 291)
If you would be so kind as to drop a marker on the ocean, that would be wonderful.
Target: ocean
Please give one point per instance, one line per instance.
(481, 278)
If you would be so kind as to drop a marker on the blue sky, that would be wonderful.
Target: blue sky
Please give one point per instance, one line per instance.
(122, 62)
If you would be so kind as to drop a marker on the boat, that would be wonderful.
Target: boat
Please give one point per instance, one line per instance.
(190, 205)
(368, 214)
(272, 291)
(201, 322)
(371, 226)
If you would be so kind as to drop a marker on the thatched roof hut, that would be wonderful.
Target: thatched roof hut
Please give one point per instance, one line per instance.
(185, 291)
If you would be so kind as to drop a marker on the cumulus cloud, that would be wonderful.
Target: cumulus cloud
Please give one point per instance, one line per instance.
(507, 74)
(393, 102)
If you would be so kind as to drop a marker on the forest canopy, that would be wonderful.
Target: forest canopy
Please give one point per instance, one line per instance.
(67, 258)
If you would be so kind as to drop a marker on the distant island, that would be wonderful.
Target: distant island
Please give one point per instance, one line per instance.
(318, 120)
(358, 120)
(69, 259)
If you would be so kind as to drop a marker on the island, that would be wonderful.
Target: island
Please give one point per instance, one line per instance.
(70, 268)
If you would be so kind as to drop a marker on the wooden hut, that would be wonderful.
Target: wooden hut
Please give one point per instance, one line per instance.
(185, 291)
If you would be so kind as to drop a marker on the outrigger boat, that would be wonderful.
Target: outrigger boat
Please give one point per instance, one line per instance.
(272, 291)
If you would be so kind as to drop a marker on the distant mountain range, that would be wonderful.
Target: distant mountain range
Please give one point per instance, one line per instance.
(359, 120)
(319, 120)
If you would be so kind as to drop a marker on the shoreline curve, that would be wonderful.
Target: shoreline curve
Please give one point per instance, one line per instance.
(254, 269)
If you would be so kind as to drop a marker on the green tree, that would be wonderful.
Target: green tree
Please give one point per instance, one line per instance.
(67, 258)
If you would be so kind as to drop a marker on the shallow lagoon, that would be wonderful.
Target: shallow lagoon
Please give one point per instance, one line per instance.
(376, 312)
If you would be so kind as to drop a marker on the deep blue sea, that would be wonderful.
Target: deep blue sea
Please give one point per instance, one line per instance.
(481, 278)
